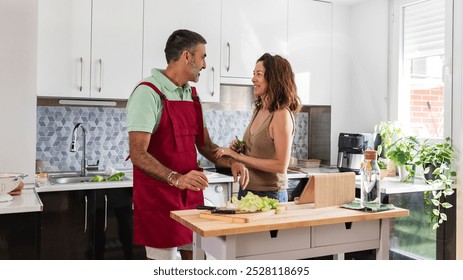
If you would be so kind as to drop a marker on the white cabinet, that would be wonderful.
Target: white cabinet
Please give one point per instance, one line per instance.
(89, 49)
(201, 16)
(309, 49)
(250, 29)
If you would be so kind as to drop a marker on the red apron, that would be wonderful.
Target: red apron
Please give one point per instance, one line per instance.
(173, 145)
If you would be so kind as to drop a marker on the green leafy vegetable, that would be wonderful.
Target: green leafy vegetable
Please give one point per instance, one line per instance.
(98, 178)
(240, 145)
(113, 178)
(116, 177)
(253, 203)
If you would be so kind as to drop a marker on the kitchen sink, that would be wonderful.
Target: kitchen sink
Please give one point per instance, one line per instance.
(57, 179)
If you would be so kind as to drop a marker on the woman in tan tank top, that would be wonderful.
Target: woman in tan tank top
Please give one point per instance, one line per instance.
(268, 137)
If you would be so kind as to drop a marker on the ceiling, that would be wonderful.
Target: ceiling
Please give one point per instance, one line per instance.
(347, 2)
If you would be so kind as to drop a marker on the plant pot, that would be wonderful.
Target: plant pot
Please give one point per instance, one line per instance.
(407, 173)
(429, 176)
(382, 174)
(391, 168)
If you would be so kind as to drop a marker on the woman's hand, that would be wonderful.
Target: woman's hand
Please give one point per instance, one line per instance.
(222, 151)
(238, 145)
(234, 145)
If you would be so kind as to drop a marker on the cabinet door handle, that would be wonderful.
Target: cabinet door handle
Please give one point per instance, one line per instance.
(105, 212)
(81, 74)
(101, 76)
(86, 213)
(213, 81)
(229, 55)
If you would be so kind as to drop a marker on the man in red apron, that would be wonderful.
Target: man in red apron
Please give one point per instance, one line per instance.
(165, 125)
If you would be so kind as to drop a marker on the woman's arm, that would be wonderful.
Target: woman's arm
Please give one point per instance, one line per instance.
(280, 130)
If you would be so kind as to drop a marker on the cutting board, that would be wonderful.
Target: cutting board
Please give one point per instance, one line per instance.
(240, 217)
(330, 189)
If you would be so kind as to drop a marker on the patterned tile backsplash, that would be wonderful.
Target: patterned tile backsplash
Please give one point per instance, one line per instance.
(107, 137)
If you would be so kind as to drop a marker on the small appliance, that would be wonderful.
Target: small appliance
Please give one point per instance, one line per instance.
(351, 147)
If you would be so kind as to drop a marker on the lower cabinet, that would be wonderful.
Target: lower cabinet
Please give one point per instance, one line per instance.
(19, 236)
(88, 224)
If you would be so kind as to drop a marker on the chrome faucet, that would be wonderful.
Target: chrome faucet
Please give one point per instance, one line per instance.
(84, 167)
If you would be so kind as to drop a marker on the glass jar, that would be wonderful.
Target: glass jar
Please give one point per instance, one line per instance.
(370, 192)
(294, 156)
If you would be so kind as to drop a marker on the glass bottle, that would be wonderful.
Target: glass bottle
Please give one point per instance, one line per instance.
(370, 193)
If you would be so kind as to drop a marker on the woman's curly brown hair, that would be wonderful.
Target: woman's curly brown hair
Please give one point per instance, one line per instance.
(282, 90)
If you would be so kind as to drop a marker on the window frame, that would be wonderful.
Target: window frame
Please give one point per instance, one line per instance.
(395, 79)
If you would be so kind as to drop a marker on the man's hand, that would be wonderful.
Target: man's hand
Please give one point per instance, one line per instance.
(193, 180)
(238, 169)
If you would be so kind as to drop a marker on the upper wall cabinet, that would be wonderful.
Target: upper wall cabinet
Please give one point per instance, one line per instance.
(202, 17)
(309, 49)
(89, 49)
(250, 29)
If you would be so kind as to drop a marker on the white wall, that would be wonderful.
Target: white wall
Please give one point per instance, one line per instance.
(359, 100)
(457, 103)
(341, 65)
(18, 79)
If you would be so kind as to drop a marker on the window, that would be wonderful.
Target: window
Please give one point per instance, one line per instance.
(420, 98)
(422, 47)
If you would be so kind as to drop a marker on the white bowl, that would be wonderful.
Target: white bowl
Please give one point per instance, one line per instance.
(9, 182)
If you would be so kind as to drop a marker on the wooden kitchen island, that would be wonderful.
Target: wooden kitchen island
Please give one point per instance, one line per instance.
(299, 232)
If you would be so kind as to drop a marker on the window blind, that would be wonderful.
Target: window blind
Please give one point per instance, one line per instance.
(424, 29)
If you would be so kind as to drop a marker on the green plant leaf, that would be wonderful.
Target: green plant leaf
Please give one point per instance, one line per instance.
(448, 191)
(446, 205)
(435, 226)
(443, 216)
(435, 212)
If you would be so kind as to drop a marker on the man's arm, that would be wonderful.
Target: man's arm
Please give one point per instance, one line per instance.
(139, 142)
(237, 168)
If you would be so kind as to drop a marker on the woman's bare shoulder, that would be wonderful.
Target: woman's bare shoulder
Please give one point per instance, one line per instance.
(283, 113)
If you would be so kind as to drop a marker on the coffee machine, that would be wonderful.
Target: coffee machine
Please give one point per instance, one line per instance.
(351, 147)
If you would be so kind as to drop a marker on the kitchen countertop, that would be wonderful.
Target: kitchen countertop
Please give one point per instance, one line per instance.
(48, 187)
(27, 201)
(295, 216)
(392, 185)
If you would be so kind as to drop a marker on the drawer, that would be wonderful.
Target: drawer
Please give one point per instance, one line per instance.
(263, 242)
(345, 233)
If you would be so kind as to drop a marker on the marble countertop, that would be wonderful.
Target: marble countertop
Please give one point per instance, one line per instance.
(48, 187)
(27, 201)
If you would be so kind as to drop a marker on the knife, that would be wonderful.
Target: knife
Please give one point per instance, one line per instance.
(222, 211)
(204, 207)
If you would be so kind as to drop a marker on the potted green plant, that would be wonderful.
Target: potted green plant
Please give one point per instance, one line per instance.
(382, 169)
(436, 159)
(386, 133)
(403, 153)
(433, 154)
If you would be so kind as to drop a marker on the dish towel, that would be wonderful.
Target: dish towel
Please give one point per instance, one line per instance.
(370, 207)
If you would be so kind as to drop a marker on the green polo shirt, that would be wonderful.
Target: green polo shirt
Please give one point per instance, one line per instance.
(144, 107)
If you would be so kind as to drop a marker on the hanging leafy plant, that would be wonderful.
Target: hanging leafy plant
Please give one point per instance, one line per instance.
(437, 159)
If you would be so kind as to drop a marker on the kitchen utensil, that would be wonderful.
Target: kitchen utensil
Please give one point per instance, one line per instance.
(330, 189)
(9, 182)
(238, 217)
(223, 211)
(216, 210)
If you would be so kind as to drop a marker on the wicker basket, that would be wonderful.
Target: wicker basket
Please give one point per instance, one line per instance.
(309, 163)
